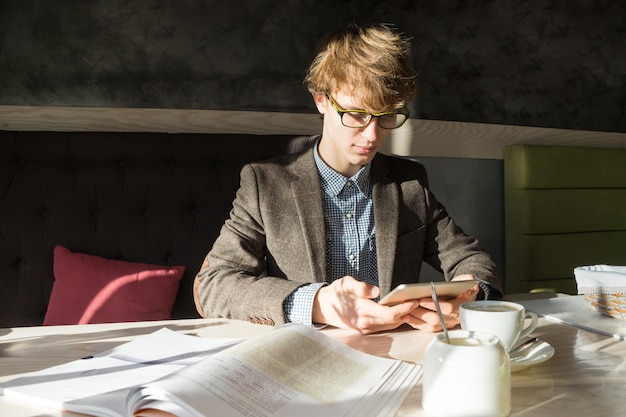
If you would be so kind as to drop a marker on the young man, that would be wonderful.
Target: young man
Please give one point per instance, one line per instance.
(317, 237)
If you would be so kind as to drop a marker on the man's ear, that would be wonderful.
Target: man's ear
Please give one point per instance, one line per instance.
(320, 100)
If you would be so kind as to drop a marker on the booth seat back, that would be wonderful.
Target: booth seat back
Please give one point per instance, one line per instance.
(139, 197)
(564, 207)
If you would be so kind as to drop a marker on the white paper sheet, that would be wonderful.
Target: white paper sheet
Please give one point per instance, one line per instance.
(575, 312)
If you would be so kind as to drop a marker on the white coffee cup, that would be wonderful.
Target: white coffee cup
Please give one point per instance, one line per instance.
(504, 319)
(469, 377)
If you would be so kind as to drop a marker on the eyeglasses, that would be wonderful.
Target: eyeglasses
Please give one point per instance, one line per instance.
(361, 118)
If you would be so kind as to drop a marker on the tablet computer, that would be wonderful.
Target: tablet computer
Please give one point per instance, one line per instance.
(445, 290)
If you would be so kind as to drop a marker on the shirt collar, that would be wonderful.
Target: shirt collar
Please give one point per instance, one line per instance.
(333, 182)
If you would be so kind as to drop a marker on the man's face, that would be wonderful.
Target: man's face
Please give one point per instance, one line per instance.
(347, 149)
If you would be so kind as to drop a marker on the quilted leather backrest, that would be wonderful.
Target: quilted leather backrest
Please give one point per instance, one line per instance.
(140, 197)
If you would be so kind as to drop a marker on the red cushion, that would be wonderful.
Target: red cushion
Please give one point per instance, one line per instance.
(91, 289)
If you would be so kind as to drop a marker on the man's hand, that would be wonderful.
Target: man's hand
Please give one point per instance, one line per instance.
(425, 316)
(347, 303)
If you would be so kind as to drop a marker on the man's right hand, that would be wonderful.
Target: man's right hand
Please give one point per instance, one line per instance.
(348, 303)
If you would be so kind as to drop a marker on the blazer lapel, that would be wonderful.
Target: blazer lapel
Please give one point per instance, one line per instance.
(307, 194)
(386, 203)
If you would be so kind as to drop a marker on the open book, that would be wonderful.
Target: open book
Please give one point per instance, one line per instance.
(288, 371)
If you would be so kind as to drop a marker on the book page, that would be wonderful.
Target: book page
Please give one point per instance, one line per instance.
(99, 380)
(304, 365)
(292, 370)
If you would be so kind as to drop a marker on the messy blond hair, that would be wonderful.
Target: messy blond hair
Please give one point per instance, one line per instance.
(374, 63)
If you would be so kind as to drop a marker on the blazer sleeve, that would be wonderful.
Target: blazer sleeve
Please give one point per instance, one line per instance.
(233, 282)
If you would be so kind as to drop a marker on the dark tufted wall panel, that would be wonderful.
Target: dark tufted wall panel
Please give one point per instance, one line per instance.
(155, 198)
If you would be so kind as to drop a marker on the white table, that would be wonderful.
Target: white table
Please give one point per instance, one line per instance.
(586, 377)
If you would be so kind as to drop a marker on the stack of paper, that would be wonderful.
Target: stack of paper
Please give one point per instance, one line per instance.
(291, 370)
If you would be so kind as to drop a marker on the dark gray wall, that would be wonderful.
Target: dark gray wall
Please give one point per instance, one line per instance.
(472, 190)
(558, 64)
(536, 63)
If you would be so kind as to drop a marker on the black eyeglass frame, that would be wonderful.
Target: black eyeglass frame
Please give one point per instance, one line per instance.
(404, 112)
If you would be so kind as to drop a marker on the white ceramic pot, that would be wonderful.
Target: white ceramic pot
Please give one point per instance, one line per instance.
(469, 377)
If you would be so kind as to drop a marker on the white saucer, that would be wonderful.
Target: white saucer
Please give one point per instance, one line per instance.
(534, 354)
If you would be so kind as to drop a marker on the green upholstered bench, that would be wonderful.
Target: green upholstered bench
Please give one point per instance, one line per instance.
(565, 207)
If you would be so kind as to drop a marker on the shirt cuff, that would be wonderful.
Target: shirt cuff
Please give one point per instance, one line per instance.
(298, 306)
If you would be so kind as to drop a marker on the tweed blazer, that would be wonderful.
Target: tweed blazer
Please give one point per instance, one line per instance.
(275, 238)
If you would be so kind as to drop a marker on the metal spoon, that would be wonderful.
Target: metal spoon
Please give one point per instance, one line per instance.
(525, 344)
(436, 300)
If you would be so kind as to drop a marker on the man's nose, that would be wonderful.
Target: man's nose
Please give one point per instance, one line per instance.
(372, 130)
